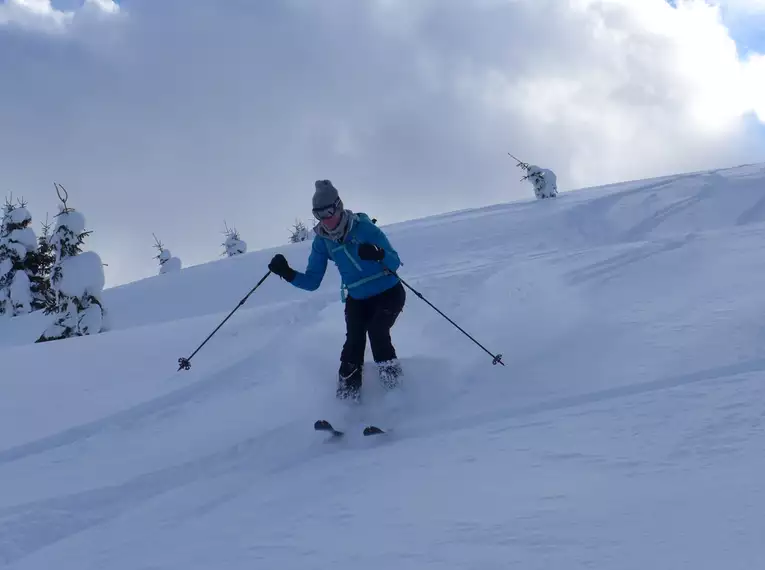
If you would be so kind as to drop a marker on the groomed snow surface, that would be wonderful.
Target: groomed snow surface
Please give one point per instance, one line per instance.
(625, 433)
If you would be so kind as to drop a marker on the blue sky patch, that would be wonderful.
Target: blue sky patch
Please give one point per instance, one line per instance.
(748, 32)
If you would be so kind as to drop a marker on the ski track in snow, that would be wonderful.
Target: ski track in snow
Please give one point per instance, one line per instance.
(27, 528)
(614, 264)
(612, 438)
(755, 214)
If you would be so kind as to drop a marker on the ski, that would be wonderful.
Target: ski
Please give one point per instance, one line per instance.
(324, 425)
(373, 430)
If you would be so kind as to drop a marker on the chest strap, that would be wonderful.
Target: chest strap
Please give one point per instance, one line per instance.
(346, 286)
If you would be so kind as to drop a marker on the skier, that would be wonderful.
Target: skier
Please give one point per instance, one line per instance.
(373, 297)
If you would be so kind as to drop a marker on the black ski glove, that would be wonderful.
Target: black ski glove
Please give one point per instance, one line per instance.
(280, 267)
(371, 252)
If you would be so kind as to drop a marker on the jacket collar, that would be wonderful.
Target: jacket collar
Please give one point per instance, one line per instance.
(347, 223)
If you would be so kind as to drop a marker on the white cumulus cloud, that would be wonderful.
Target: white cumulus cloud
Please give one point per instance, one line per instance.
(42, 16)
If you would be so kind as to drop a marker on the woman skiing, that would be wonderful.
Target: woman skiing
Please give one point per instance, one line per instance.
(372, 293)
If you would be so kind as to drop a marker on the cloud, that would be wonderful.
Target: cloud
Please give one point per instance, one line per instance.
(184, 113)
(36, 15)
(744, 6)
(43, 16)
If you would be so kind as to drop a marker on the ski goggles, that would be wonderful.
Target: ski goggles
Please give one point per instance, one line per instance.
(326, 212)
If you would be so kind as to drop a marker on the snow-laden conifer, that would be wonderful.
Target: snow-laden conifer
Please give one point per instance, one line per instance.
(299, 232)
(77, 278)
(234, 244)
(18, 244)
(41, 263)
(167, 263)
(544, 180)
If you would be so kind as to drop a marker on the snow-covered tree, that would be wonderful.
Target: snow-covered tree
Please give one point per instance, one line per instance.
(18, 244)
(77, 279)
(167, 263)
(42, 262)
(234, 245)
(6, 262)
(543, 179)
(23, 243)
(299, 232)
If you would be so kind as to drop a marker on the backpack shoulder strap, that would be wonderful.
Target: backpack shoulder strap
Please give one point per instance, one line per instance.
(364, 217)
(328, 245)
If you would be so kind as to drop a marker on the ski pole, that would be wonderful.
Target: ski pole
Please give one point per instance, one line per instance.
(185, 363)
(497, 359)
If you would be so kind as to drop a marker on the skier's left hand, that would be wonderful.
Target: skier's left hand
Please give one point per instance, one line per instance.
(371, 252)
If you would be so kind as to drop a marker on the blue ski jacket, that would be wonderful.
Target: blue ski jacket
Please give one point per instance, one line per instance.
(360, 279)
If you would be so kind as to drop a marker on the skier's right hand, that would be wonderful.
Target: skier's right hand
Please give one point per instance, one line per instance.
(280, 267)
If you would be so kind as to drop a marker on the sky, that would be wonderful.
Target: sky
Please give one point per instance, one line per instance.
(180, 116)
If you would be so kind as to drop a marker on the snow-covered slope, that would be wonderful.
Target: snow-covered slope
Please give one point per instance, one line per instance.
(625, 432)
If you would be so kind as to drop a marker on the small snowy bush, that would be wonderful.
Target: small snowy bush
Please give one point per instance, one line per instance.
(167, 263)
(299, 232)
(234, 245)
(77, 281)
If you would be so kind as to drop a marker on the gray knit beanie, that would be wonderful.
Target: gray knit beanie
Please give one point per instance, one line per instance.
(325, 195)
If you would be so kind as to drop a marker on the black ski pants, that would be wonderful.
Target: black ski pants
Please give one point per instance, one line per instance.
(374, 316)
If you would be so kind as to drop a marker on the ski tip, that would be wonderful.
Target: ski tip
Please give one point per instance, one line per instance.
(324, 425)
(373, 430)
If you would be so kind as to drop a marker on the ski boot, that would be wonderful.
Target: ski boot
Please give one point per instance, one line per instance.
(349, 382)
(390, 373)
